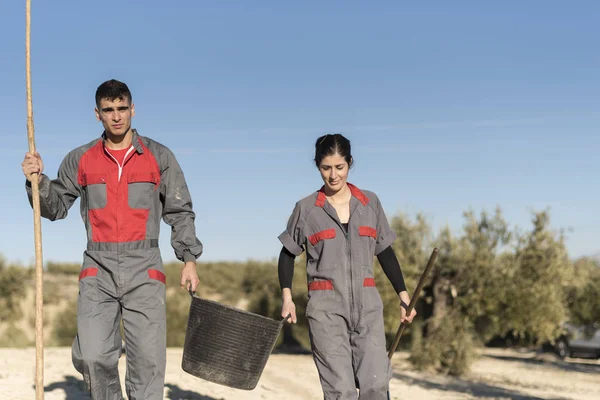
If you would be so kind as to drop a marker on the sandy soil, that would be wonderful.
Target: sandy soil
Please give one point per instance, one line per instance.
(498, 374)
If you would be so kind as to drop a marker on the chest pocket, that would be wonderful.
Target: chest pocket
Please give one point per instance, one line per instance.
(141, 188)
(368, 238)
(95, 187)
(321, 235)
(367, 231)
(324, 252)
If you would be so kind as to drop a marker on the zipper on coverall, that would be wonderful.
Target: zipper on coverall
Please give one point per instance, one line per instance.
(119, 274)
(351, 277)
(348, 260)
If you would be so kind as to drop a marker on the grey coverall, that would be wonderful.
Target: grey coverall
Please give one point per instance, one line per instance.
(344, 309)
(122, 273)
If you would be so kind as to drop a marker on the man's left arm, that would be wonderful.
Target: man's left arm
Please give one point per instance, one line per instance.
(178, 213)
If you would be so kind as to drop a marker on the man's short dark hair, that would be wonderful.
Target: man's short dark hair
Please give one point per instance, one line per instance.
(112, 90)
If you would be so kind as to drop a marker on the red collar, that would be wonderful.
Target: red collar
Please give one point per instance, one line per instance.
(356, 192)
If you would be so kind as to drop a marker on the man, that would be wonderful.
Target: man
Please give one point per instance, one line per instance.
(126, 183)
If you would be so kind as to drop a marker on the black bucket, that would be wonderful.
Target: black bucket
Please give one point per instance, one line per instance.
(226, 345)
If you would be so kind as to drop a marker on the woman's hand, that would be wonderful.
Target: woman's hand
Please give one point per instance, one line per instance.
(404, 298)
(288, 307)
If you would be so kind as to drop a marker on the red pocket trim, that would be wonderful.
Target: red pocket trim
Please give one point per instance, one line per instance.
(369, 282)
(88, 272)
(93, 179)
(156, 274)
(320, 285)
(317, 237)
(134, 177)
(367, 231)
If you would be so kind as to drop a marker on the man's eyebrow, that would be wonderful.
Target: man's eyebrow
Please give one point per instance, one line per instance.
(120, 108)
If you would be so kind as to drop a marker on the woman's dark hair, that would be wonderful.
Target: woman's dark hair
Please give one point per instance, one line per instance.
(330, 144)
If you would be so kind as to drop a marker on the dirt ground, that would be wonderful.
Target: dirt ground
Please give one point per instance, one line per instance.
(498, 374)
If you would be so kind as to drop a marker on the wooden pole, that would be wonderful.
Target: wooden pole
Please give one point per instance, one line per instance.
(37, 225)
(413, 301)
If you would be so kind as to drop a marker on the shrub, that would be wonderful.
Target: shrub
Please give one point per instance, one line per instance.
(450, 348)
(13, 336)
(63, 268)
(14, 282)
(65, 325)
(178, 303)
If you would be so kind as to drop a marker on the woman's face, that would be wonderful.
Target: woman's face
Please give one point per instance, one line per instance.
(334, 172)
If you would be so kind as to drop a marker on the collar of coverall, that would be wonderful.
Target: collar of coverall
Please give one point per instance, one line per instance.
(135, 140)
(356, 192)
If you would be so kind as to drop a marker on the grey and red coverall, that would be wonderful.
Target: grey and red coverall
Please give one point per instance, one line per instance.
(344, 309)
(122, 274)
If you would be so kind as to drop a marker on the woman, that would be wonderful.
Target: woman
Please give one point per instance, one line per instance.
(341, 228)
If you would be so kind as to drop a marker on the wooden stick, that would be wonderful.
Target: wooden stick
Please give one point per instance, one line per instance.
(37, 225)
(413, 301)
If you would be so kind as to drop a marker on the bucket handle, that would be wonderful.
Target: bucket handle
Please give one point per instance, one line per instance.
(282, 321)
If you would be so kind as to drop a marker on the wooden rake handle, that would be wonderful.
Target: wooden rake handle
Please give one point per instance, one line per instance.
(37, 224)
(413, 301)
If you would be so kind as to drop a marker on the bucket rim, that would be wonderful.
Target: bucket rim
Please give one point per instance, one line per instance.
(238, 310)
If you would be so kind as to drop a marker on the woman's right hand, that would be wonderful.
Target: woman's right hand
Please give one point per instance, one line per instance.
(288, 306)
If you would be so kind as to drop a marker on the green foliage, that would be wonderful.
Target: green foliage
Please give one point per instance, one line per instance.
(57, 268)
(585, 309)
(412, 250)
(449, 347)
(13, 336)
(51, 292)
(65, 325)
(14, 281)
(493, 282)
(178, 306)
(583, 292)
(536, 296)
(412, 246)
(478, 272)
(222, 278)
(489, 280)
(260, 284)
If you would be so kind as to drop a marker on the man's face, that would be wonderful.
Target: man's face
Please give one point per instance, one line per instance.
(115, 115)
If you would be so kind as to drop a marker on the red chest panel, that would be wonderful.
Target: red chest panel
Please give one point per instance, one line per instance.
(119, 198)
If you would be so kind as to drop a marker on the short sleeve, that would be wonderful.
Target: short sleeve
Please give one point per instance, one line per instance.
(385, 234)
(293, 237)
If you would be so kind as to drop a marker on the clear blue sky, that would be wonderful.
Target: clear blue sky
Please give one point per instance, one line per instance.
(448, 105)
